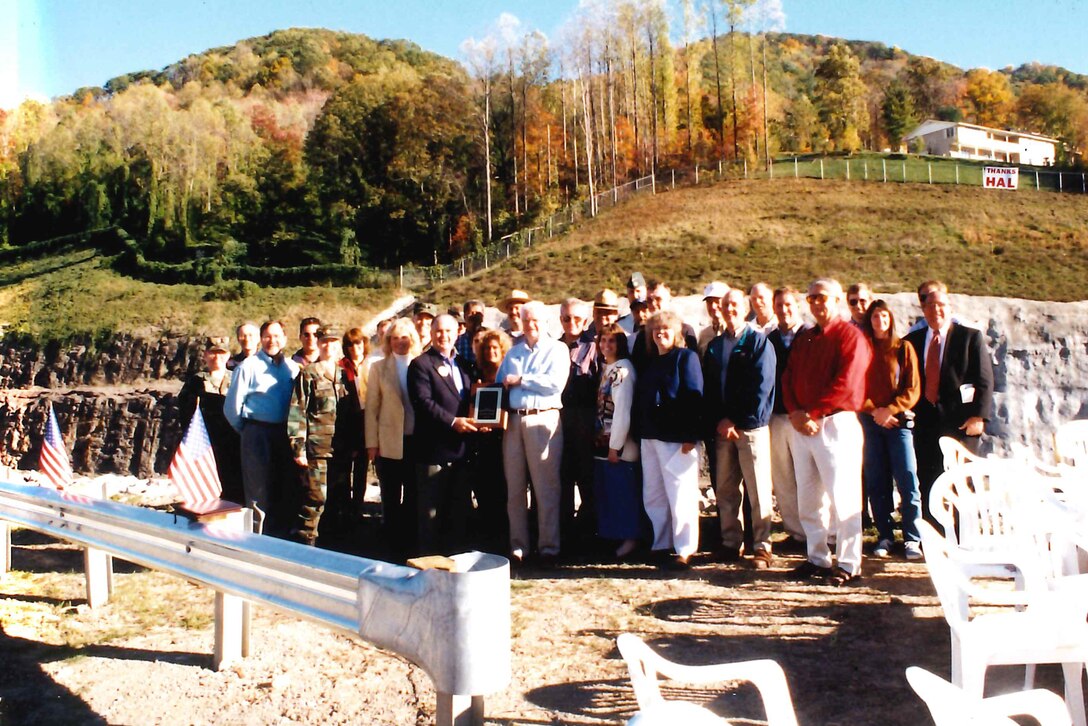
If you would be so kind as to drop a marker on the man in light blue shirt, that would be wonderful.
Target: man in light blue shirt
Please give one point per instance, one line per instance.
(534, 373)
(256, 406)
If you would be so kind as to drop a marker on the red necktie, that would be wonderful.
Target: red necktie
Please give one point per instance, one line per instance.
(933, 368)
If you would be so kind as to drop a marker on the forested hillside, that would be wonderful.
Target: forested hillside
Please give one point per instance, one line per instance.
(313, 147)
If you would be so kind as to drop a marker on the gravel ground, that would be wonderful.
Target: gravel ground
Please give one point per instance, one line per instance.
(145, 658)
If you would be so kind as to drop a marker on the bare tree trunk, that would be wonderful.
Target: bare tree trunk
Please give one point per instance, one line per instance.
(717, 74)
(487, 153)
(653, 98)
(513, 131)
(752, 66)
(733, 83)
(589, 149)
(634, 104)
(612, 118)
(766, 128)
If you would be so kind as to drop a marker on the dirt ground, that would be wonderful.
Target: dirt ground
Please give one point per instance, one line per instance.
(145, 658)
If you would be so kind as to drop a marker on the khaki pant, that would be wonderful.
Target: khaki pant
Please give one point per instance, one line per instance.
(532, 449)
(783, 477)
(748, 459)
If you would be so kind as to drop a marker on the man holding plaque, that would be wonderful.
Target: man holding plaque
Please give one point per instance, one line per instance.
(438, 387)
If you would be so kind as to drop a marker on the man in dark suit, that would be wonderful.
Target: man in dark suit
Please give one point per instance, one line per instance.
(957, 388)
(438, 387)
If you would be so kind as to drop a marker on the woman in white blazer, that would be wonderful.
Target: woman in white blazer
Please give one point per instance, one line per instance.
(388, 431)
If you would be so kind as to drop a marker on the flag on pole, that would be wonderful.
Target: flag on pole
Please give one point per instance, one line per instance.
(53, 462)
(193, 469)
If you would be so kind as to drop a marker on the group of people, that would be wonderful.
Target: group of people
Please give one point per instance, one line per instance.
(512, 440)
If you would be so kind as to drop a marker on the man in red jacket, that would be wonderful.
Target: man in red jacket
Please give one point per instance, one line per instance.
(824, 387)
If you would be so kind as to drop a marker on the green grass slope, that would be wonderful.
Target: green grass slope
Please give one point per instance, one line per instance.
(790, 231)
(77, 294)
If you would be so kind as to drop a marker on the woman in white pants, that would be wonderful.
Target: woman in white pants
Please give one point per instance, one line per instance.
(668, 403)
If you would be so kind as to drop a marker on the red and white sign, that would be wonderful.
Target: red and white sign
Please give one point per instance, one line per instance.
(1000, 177)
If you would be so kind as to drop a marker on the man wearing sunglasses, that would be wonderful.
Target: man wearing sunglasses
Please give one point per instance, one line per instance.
(858, 296)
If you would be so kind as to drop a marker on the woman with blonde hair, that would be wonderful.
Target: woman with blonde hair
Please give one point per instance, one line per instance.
(390, 422)
(668, 403)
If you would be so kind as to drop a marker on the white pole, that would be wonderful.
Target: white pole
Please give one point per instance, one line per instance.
(696, 175)
(795, 167)
(957, 173)
(929, 170)
(1036, 180)
(884, 167)
(847, 170)
(673, 172)
(821, 167)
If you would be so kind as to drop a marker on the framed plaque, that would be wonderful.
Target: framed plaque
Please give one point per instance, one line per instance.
(488, 409)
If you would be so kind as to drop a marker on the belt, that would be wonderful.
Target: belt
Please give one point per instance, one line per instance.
(258, 422)
(531, 411)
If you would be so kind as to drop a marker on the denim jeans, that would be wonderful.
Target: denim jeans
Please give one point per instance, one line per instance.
(890, 453)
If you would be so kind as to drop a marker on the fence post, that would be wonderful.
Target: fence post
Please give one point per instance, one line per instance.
(884, 167)
(957, 173)
(508, 250)
(795, 167)
(696, 175)
(746, 168)
(770, 170)
(847, 170)
(653, 182)
(1059, 181)
(865, 170)
(929, 170)
(719, 168)
(1036, 180)
(485, 260)
(462, 267)
(904, 171)
(401, 277)
(821, 167)
(1083, 184)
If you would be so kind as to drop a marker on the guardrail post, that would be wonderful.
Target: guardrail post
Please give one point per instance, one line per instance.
(232, 612)
(459, 710)
(98, 569)
(5, 543)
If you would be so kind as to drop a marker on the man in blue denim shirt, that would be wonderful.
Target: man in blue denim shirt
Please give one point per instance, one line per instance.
(256, 406)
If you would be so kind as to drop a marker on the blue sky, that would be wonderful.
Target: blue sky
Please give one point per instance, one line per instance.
(52, 47)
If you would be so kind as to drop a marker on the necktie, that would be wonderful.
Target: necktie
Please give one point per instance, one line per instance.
(933, 368)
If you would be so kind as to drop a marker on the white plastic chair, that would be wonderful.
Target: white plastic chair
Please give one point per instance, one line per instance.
(955, 453)
(645, 665)
(951, 706)
(1051, 627)
(998, 517)
(1071, 443)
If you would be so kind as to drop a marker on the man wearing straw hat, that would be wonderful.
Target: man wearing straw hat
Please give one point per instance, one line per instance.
(512, 325)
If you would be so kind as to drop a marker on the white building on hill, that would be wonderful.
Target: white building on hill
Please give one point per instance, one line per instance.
(981, 143)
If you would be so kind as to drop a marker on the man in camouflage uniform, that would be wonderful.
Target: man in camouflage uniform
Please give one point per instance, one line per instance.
(311, 425)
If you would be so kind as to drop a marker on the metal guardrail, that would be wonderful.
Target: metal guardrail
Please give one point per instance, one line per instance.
(453, 625)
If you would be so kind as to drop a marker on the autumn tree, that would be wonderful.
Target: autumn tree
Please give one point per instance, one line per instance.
(988, 97)
(840, 97)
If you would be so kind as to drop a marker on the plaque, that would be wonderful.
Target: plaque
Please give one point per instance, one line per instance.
(488, 405)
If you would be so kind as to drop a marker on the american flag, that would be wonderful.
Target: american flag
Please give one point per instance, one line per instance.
(53, 462)
(193, 469)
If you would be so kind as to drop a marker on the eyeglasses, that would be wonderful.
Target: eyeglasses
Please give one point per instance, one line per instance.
(856, 301)
(820, 297)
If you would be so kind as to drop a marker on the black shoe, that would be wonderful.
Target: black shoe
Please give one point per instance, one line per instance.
(547, 562)
(677, 563)
(807, 571)
(727, 554)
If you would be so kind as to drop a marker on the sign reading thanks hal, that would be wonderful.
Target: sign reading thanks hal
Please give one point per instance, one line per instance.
(1000, 177)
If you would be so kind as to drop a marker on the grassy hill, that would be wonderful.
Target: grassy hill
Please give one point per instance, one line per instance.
(1025, 244)
(77, 294)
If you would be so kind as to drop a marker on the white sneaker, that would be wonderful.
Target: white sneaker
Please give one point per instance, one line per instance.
(883, 549)
(913, 550)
